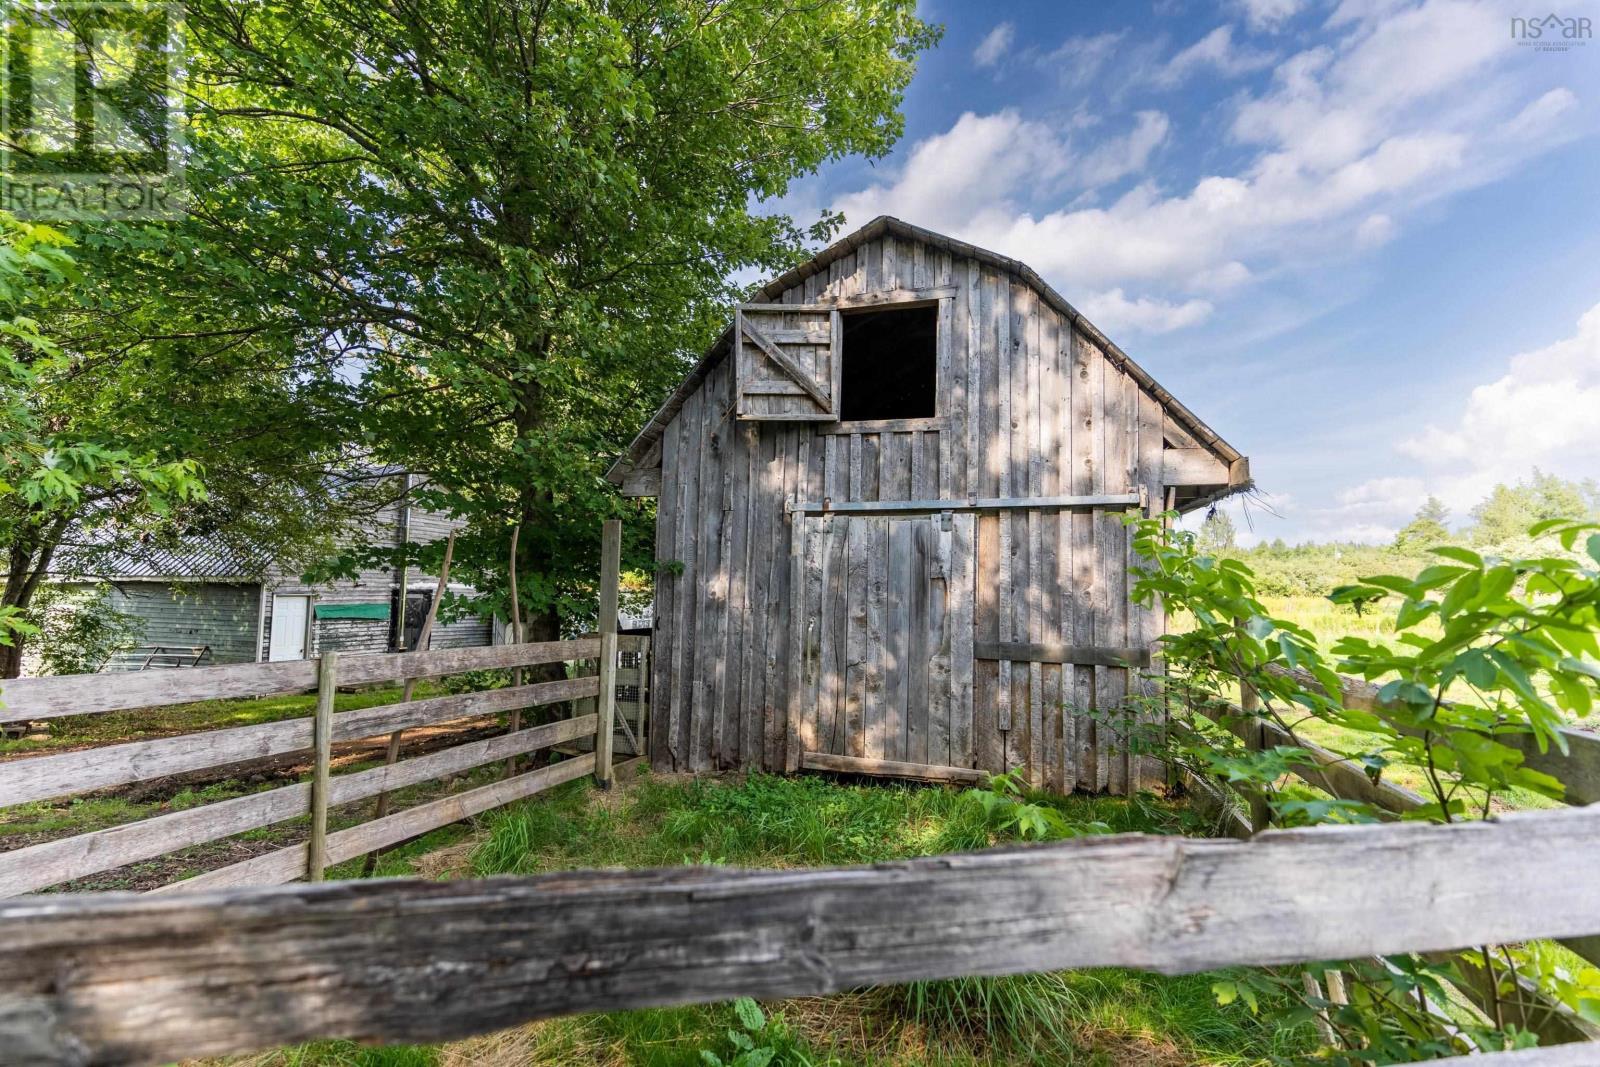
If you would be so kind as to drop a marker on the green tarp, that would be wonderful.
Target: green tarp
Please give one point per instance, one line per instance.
(353, 611)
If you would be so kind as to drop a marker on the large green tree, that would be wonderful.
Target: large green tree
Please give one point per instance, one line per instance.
(62, 460)
(144, 410)
(517, 220)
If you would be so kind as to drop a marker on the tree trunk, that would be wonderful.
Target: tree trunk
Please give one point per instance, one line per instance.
(29, 561)
(534, 556)
(11, 657)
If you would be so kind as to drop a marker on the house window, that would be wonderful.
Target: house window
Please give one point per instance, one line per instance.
(890, 363)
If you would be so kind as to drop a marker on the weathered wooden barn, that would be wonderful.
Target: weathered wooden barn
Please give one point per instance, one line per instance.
(889, 523)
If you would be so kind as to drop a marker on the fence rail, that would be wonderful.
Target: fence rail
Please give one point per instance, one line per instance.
(152, 979)
(48, 777)
(91, 694)
(1578, 768)
(1339, 777)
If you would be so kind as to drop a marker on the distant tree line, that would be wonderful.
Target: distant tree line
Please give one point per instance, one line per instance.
(1499, 522)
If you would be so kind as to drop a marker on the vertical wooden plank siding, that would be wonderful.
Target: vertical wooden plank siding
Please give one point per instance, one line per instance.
(794, 674)
(1149, 623)
(856, 634)
(667, 586)
(1045, 541)
(1001, 466)
(855, 679)
(1085, 390)
(876, 596)
(748, 654)
(962, 629)
(1066, 589)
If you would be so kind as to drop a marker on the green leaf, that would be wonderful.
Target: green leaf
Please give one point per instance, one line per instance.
(1413, 612)
(1579, 666)
(1259, 626)
(1455, 552)
(1478, 668)
(1460, 593)
(1291, 653)
(750, 1014)
(1437, 575)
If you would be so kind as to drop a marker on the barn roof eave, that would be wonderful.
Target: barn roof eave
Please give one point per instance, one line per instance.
(888, 224)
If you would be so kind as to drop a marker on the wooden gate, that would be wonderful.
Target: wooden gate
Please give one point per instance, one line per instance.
(886, 642)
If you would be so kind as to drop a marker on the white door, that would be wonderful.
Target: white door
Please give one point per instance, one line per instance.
(289, 617)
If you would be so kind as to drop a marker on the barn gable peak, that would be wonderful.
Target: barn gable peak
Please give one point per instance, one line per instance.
(645, 450)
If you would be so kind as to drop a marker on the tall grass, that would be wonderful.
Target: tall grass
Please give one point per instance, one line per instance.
(1099, 1018)
(1087, 1017)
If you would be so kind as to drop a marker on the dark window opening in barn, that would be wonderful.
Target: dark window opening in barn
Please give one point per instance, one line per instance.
(890, 363)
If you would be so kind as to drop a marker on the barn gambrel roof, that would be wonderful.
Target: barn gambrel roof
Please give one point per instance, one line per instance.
(888, 225)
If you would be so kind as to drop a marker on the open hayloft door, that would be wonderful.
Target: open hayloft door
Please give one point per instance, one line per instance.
(786, 362)
(885, 638)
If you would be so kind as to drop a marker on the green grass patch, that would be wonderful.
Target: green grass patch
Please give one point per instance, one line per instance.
(1100, 1017)
(1088, 1017)
(78, 731)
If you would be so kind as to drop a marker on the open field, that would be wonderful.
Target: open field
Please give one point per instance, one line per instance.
(1103, 1017)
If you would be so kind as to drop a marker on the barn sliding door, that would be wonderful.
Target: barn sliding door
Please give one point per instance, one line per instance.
(885, 638)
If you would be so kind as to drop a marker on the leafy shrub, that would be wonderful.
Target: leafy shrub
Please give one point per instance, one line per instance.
(756, 1042)
(79, 629)
(1521, 636)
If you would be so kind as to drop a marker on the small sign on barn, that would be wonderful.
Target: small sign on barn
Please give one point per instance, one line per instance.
(889, 518)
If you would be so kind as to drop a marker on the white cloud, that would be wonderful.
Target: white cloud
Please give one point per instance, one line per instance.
(976, 160)
(1398, 108)
(994, 45)
(1145, 237)
(1077, 61)
(1540, 413)
(1215, 51)
(1375, 230)
(1372, 511)
(1113, 310)
(1536, 119)
(1128, 154)
(1270, 14)
(984, 159)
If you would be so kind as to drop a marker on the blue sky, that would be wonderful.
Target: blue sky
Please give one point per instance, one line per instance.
(1360, 239)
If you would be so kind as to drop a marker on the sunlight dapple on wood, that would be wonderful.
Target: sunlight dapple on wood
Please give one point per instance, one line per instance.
(889, 506)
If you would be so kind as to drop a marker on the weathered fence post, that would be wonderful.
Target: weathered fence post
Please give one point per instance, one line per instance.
(610, 568)
(322, 750)
(1250, 704)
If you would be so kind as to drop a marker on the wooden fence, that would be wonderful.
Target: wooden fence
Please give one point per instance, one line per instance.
(47, 777)
(118, 978)
(1578, 769)
(242, 964)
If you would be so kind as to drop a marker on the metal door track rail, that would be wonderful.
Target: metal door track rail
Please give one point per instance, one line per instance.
(1091, 502)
